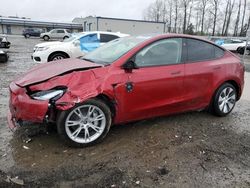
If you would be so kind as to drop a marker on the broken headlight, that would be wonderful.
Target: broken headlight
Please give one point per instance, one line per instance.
(49, 94)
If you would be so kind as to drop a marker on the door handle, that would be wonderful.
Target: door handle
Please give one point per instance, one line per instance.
(175, 72)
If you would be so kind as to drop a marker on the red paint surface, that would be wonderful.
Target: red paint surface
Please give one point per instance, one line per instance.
(156, 90)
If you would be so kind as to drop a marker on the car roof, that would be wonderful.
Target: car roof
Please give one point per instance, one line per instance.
(102, 32)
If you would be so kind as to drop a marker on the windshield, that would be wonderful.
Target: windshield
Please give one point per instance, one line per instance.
(70, 39)
(111, 51)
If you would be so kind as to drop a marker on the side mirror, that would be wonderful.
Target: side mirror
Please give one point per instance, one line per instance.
(129, 65)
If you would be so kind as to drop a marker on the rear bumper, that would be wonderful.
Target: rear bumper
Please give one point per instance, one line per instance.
(24, 108)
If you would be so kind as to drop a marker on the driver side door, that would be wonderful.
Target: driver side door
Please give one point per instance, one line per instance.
(156, 87)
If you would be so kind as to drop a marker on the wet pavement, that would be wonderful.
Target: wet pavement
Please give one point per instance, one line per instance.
(188, 150)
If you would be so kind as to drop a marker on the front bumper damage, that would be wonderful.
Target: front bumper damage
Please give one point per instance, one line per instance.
(23, 108)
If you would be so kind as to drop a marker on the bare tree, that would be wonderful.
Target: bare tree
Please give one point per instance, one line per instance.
(203, 9)
(215, 4)
(154, 12)
(185, 4)
(170, 2)
(207, 16)
(237, 20)
(190, 10)
(243, 18)
(225, 18)
(176, 15)
(230, 10)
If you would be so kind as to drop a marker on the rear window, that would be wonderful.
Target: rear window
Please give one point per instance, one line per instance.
(199, 51)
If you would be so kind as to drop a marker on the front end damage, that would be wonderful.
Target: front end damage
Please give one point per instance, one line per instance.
(40, 102)
(24, 108)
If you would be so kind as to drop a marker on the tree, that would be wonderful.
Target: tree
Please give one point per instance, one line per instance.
(155, 11)
(190, 29)
(225, 19)
(215, 4)
(203, 9)
(185, 4)
(237, 20)
(230, 10)
(170, 2)
(243, 18)
(176, 16)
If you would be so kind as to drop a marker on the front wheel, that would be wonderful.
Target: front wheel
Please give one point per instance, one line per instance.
(224, 100)
(85, 124)
(46, 38)
(57, 56)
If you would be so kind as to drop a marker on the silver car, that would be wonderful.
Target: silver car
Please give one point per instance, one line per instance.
(56, 34)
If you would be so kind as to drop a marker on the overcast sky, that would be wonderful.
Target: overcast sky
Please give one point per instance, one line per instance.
(66, 10)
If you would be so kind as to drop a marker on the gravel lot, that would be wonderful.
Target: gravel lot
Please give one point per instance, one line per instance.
(187, 150)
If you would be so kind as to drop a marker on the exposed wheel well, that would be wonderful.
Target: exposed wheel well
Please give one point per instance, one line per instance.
(58, 52)
(109, 102)
(237, 87)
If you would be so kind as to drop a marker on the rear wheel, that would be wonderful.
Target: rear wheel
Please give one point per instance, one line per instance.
(27, 35)
(85, 124)
(224, 100)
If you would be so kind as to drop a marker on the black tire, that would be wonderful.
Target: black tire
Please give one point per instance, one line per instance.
(66, 37)
(46, 38)
(61, 123)
(27, 35)
(216, 102)
(241, 50)
(57, 56)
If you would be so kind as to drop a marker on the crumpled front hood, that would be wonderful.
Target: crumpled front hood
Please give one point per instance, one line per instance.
(49, 70)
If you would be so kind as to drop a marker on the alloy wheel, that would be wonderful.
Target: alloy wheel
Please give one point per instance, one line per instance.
(227, 99)
(85, 124)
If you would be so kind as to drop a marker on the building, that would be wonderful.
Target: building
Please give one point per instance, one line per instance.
(129, 26)
(15, 25)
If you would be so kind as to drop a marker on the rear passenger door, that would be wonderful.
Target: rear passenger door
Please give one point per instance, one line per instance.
(202, 66)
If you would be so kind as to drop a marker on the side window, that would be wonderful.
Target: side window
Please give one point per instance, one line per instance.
(218, 52)
(60, 31)
(163, 52)
(107, 37)
(91, 38)
(199, 50)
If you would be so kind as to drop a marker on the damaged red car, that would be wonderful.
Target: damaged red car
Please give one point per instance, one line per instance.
(127, 79)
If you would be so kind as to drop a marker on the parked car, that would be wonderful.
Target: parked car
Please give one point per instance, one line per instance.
(231, 44)
(4, 43)
(125, 80)
(241, 50)
(56, 34)
(31, 32)
(3, 57)
(75, 46)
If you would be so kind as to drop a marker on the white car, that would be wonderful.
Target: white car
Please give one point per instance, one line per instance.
(56, 34)
(75, 46)
(231, 44)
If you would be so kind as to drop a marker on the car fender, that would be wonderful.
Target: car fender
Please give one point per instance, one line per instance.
(60, 48)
